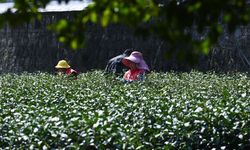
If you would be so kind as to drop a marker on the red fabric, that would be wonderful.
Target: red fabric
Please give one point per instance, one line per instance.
(69, 71)
(126, 62)
(132, 75)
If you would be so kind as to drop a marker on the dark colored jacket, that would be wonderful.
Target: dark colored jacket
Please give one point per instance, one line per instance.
(115, 65)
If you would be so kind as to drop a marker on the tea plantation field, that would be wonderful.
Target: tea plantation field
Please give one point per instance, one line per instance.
(168, 111)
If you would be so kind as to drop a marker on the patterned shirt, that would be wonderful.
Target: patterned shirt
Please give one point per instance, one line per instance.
(71, 73)
(134, 75)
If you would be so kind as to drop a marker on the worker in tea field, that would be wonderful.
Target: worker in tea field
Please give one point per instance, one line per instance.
(64, 68)
(115, 64)
(137, 67)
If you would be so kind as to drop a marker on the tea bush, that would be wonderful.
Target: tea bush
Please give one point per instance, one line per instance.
(167, 111)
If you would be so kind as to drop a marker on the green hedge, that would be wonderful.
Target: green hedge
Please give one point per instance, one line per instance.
(168, 111)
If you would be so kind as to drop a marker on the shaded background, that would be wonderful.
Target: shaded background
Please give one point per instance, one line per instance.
(31, 47)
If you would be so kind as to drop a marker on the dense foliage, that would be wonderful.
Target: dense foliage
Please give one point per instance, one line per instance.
(174, 21)
(168, 111)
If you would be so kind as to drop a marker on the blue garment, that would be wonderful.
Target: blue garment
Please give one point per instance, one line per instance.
(115, 64)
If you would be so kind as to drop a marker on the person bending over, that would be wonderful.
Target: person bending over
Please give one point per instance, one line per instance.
(64, 68)
(137, 67)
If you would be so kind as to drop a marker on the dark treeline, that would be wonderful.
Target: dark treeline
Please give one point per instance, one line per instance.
(31, 47)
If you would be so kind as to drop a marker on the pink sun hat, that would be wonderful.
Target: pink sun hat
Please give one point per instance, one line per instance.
(136, 57)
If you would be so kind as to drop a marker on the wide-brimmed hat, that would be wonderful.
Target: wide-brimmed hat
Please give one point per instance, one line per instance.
(62, 64)
(135, 57)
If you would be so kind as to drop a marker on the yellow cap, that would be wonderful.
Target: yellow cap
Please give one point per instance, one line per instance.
(62, 64)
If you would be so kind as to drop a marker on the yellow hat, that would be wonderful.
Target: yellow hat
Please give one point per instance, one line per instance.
(62, 64)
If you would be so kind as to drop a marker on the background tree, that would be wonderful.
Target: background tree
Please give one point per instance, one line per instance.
(174, 21)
